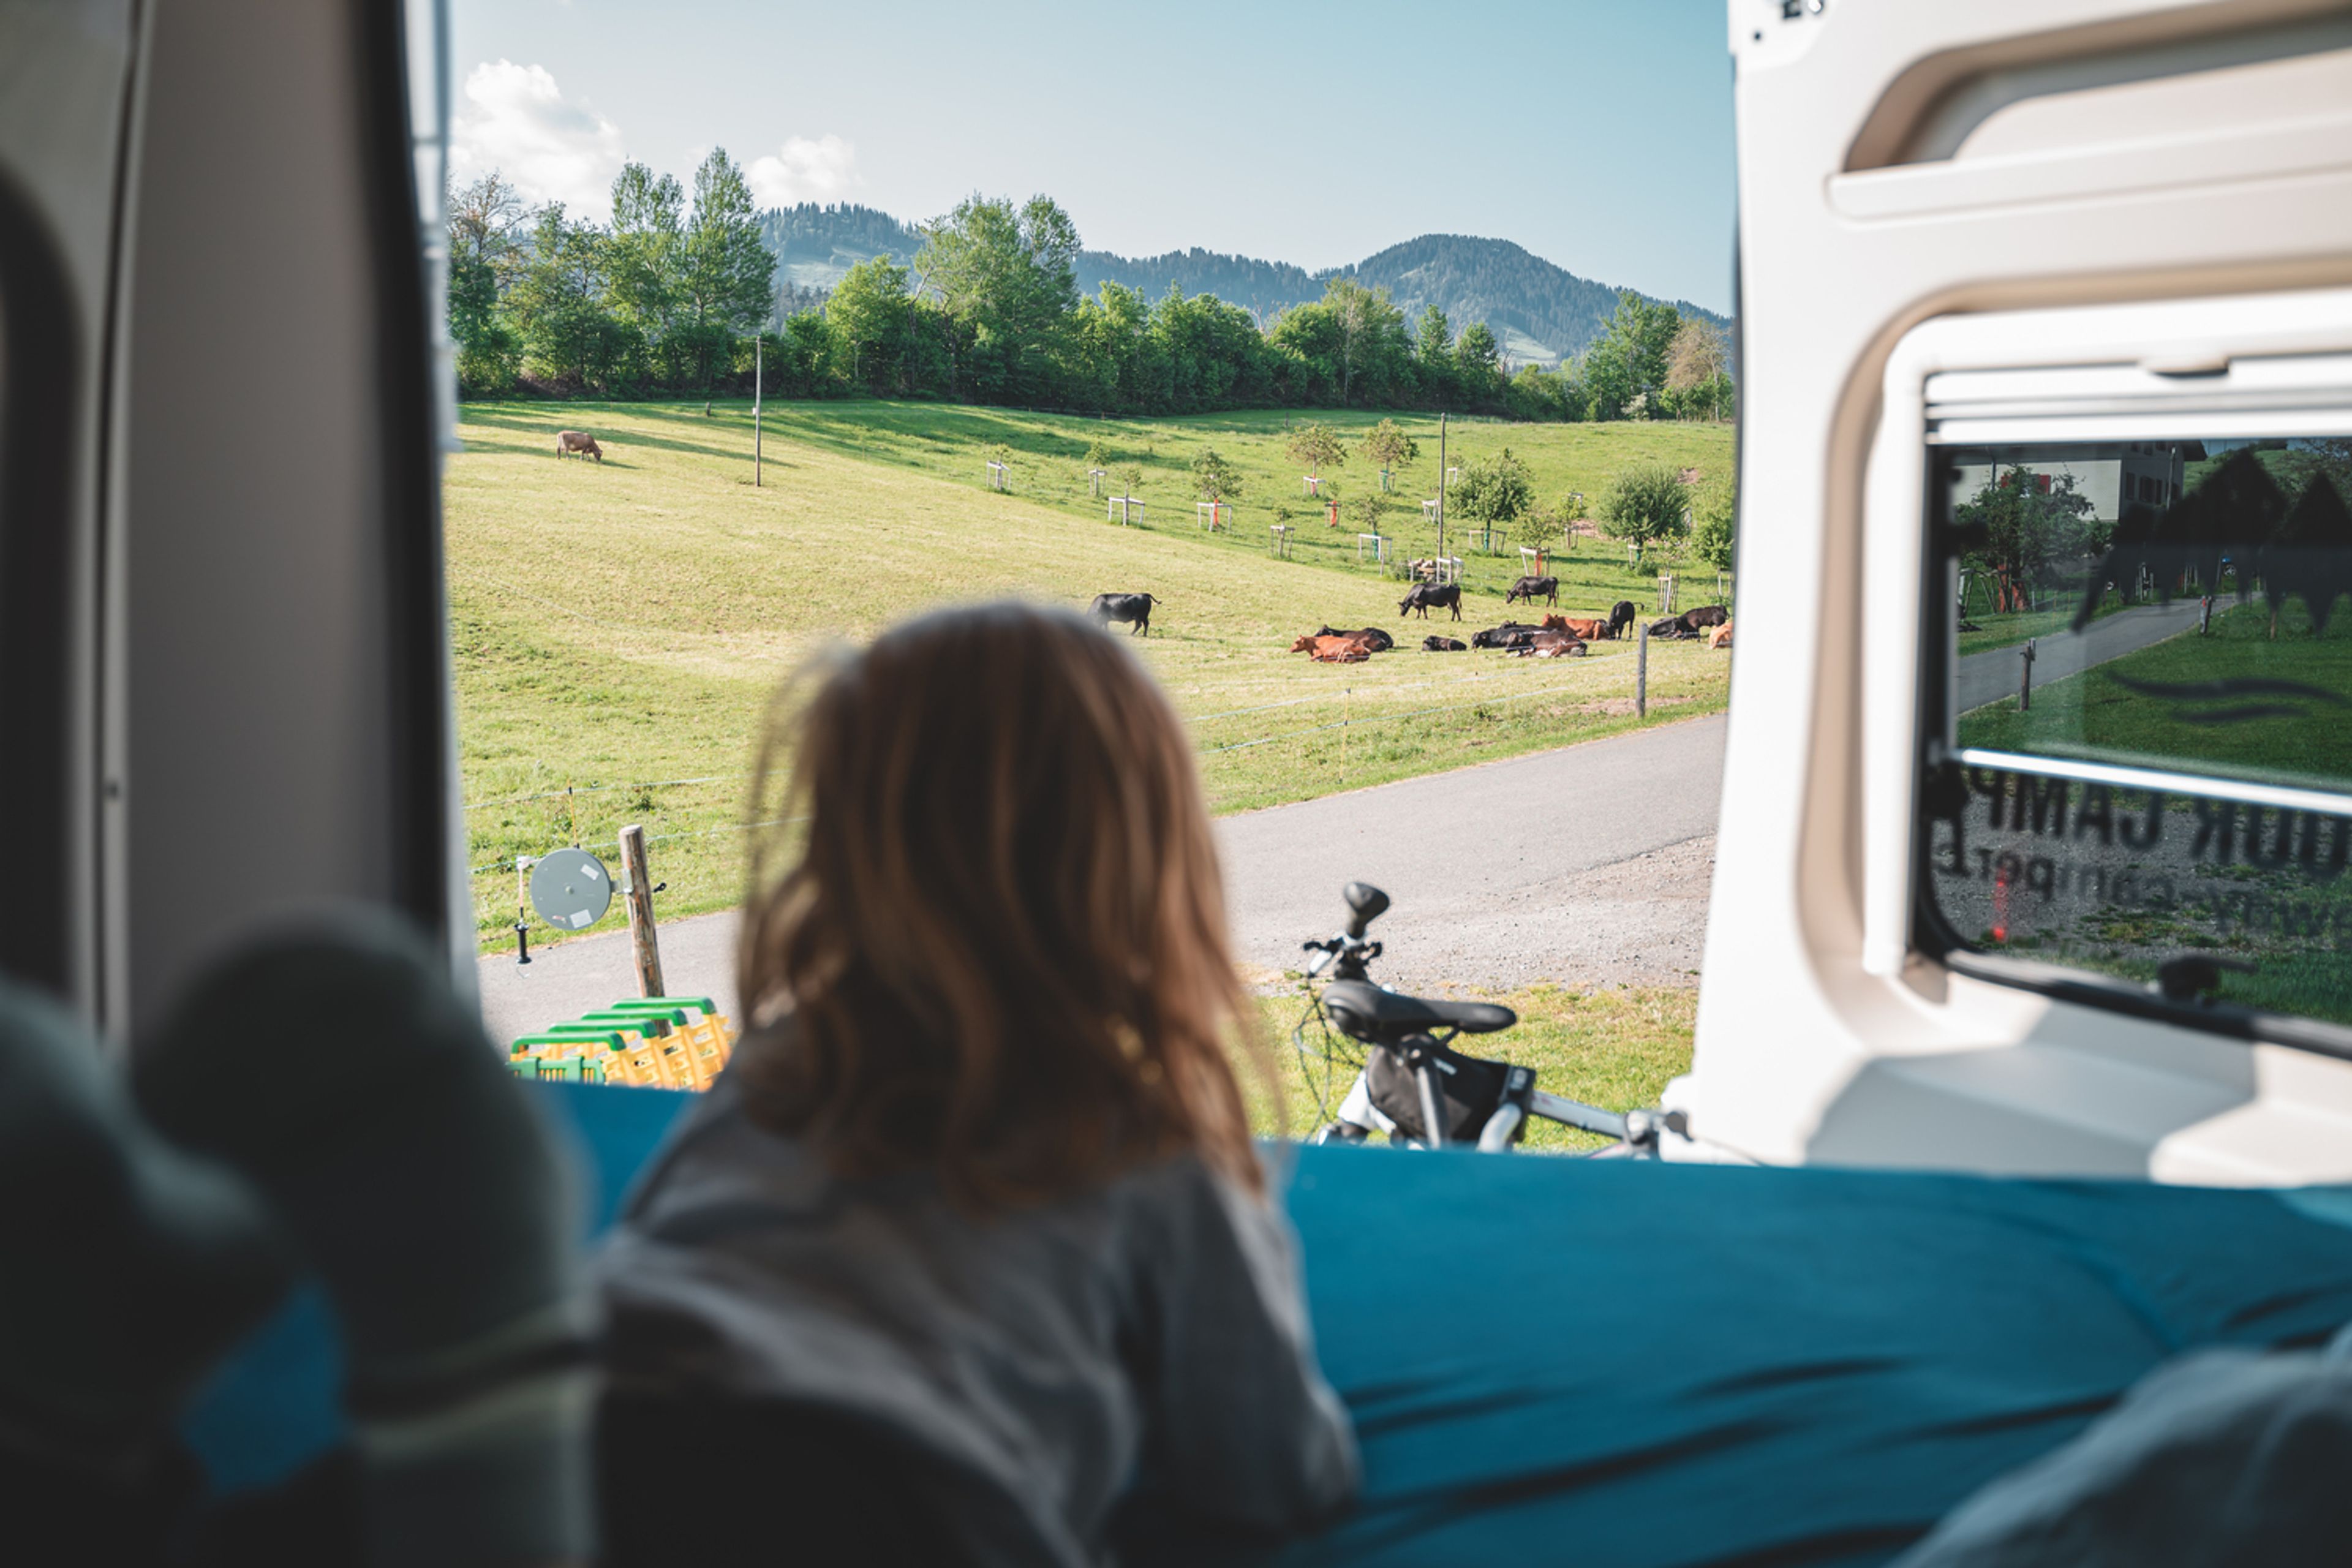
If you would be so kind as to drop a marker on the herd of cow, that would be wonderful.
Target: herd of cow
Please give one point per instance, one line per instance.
(1554, 636)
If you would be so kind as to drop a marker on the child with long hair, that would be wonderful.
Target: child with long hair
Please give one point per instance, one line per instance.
(978, 1193)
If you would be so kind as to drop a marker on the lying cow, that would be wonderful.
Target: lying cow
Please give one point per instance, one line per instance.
(1621, 617)
(1441, 644)
(1720, 636)
(1589, 631)
(1427, 597)
(1690, 623)
(1131, 608)
(1548, 644)
(1511, 633)
(578, 444)
(1334, 650)
(1533, 588)
(1379, 641)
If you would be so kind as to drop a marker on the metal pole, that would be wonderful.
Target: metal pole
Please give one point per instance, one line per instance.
(1441, 485)
(645, 948)
(758, 344)
(1642, 674)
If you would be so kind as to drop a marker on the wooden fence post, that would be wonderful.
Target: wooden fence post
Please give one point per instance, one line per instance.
(643, 947)
(1642, 674)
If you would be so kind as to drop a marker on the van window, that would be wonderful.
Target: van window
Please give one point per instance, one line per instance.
(2138, 760)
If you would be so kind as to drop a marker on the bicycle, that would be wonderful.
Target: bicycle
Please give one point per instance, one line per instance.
(1410, 1084)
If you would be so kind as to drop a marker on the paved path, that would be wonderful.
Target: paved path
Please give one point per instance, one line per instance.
(1992, 675)
(1589, 863)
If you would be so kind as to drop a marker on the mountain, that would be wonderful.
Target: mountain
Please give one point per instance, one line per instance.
(1541, 313)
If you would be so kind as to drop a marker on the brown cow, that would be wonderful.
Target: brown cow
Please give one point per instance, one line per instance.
(579, 444)
(1720, 636)
(1333, 650)
(1589, 631)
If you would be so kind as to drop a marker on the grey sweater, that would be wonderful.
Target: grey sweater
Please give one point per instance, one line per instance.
(1040, 1358)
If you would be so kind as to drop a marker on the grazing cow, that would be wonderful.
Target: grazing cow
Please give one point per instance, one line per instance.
(1379, 640)
(1334, 650)
(1720, 636)
(1426, 596)
(1132, 608)
(1589, 631)
(1533, 588)
(1441, 644)
(578, 444)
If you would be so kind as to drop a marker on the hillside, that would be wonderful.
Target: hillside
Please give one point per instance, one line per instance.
(617, 627)
(1542, 313)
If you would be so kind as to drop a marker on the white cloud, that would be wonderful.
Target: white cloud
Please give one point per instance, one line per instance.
(517, 120)
(805, 171)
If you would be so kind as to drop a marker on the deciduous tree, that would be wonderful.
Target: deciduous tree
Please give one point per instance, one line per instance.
(1644, 504)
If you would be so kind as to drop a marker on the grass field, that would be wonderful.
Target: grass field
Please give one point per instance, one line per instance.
(2268, 736)
(618, 628)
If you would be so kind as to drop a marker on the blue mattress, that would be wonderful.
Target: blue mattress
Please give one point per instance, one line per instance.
(1634, 1363)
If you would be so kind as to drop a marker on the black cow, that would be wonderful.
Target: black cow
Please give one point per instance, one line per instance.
(1534, 588)
(1690, 623)
(1441, 644)
(1621, 617)
(1511, 633)
(1134, 607)
(1426, 596)
(1379, 641)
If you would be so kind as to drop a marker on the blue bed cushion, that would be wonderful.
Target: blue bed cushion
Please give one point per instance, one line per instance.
(1634, 1363)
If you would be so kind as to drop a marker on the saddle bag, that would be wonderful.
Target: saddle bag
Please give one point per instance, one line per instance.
(1469, 1094)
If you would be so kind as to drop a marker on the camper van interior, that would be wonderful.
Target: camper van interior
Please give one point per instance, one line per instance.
(2024, 1059)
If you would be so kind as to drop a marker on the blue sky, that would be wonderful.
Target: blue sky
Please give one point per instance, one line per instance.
(1596, 134)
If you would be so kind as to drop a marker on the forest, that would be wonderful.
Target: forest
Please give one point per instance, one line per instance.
(676, 295)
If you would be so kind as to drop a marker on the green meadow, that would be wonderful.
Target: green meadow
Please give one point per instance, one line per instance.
(618, 628)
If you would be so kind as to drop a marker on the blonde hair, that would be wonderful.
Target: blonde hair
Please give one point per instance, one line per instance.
(1002, 948)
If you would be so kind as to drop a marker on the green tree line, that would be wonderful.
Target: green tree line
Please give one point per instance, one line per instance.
(671, 298)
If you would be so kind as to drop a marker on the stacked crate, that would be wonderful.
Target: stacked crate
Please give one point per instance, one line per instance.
(653, 1042)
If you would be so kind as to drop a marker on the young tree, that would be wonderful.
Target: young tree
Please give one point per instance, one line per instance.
(727, 275)
(1213, 477)
(1387, 445)
(1318, 448)
(1644, 504)
(1493, 492)
(1370, 510)
(1714, 526)
(1698, 362)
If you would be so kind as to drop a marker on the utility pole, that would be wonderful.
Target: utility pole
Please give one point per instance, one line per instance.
(1441, 486)
(759, 342)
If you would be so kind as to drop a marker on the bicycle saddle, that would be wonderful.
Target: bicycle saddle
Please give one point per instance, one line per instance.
(1362, 1011)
